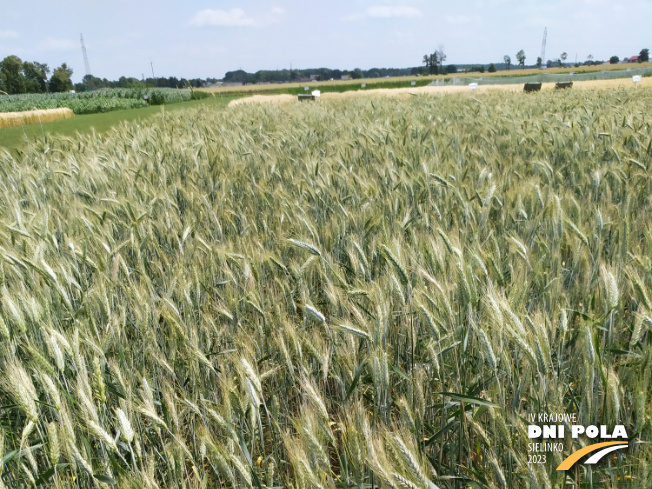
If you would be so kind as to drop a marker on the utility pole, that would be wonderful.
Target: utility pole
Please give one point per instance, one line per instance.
(543, 46)
(86, 65)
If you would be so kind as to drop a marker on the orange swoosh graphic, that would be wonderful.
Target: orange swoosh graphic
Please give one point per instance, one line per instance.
(574, 457)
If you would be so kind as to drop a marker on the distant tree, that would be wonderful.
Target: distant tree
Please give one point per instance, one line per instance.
(237, 76)
(520, 56)
(36, 77)
(61, 79)
(356, 74)
(481, 68)
(492, 68)
(564, 57)
(508, 61)
(450, 69)
(432, 62)
(589, 58)
(12, 74)
(539, 62)
(614, 60)
(91, 82)
(644, 55)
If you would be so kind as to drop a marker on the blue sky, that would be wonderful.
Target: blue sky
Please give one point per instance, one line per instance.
(203, 38)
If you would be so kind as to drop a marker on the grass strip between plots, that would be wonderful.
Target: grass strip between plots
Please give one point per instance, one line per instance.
(15, 137)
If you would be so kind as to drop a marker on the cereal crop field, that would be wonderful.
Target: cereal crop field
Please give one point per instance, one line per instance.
(362, 293)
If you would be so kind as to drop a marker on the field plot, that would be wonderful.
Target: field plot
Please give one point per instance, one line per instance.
(405, 92)
(13, 119)
(368, 293)
(448, 80)
(104, 100)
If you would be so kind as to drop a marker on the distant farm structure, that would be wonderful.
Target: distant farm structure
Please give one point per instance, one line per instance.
(532, 87)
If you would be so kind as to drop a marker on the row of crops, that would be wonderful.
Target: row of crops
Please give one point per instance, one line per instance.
(370, 293)
(104, 100)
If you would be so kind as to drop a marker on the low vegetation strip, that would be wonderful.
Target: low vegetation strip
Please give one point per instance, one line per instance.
(97, 101)
(13, 119)
(359, 293)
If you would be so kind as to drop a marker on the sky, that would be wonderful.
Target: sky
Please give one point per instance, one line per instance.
(206, 38)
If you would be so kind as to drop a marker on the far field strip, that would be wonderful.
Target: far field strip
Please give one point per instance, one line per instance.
(440, 90)
(15, 137)
(401, 81)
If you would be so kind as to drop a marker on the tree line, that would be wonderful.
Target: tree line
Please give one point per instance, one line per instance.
(91, 82)
(434, 62)
(18, 76)
(319, 74)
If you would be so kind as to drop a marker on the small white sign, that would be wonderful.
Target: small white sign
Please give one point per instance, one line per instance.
(316, 93)
(473, 86)
(306, 88)
(364, 85)
(414, 83)
(636, 78)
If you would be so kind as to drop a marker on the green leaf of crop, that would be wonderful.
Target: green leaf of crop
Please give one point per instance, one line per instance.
(468, 399)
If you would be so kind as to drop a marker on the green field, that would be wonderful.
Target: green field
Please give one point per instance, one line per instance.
(104, 100)
(370, 293)
(16, 137)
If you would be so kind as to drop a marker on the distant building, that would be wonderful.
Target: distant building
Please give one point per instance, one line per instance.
(633, 59)
(345, 77)
(313, 78)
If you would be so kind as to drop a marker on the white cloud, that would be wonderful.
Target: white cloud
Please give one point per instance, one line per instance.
(8, 34)
(235, 17)
(459, 19)
(386, 12)
(53, 44)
